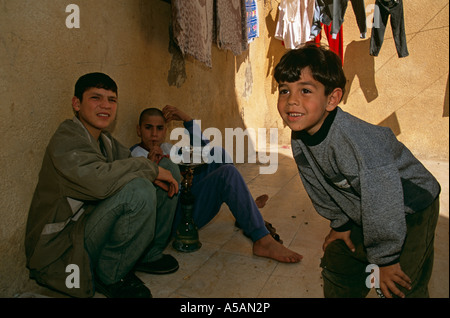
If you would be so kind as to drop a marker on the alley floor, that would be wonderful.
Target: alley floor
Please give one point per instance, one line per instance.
(224, 267)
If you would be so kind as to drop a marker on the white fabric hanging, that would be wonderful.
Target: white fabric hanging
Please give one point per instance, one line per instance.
(294, 22)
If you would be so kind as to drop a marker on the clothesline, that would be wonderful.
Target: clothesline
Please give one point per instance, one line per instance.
(234, 24)
(301, 21)
(230, 24)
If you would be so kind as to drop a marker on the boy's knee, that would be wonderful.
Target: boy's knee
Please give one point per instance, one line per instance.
(228, 171)
(167, 164)
(141, 189)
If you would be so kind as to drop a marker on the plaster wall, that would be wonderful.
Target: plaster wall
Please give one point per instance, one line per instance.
(41, 59)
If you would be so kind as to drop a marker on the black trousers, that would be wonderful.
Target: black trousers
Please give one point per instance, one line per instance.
(384, 9)
(345, 273)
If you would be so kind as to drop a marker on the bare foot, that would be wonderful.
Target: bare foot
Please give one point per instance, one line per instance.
(268, 247)
(261, 201)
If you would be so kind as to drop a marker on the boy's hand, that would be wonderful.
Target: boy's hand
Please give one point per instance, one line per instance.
(166, 181)
(334, 235)
(389, 277)
(173, 113)
(155, 154)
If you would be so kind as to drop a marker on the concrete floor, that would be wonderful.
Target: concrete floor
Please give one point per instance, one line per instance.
(224, 267)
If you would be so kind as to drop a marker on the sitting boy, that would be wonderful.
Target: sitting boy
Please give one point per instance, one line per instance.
(216, 184)
(96, 210)
(382, 203)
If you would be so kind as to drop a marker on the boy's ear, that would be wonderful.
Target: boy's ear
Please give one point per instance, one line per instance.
(76, 103)
(334, 99)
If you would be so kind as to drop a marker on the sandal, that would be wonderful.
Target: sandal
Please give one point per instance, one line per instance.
(269, 227)
(273, 232)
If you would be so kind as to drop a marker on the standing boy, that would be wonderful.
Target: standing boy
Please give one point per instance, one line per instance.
(382, 203)
(217, 183)
(96, 212)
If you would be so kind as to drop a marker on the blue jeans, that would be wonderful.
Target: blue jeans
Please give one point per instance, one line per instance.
(219, 183)
(132, 225)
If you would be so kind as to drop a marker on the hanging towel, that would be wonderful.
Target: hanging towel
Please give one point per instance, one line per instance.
(251, 10)
(294, 22)
(192, 28)
(231, 26)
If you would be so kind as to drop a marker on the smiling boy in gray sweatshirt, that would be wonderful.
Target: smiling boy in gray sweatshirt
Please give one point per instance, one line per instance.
(382, 203)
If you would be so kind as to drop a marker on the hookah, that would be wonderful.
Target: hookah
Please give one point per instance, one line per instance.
(186, 238)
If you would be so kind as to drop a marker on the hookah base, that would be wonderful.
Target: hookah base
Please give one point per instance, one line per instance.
(186, 246)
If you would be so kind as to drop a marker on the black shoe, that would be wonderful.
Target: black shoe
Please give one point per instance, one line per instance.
(165, 265)
(128, 287)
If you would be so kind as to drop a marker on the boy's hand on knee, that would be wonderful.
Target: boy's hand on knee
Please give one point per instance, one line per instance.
(166, 181)
(334, 235)
(389, 277)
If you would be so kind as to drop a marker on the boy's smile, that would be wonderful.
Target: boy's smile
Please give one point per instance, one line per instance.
(97, 110)
(303, 104)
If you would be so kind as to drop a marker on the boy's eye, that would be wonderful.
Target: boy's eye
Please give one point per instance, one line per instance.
(306, 91)
(283, 91)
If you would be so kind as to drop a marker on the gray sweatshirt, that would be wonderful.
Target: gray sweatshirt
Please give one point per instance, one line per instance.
(359, 173)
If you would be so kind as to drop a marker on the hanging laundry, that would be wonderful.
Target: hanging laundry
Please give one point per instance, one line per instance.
(321, 16)
(196, 24)
(192, 28)
(338, 13)
(251, 9)
(384, 8)
(294, 22)
(335, 43)
(332, 12)
(231, 26)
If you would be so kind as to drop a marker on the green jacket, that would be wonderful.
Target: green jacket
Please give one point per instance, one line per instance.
(75, 175)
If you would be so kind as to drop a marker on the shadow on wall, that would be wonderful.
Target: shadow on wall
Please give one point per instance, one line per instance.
(358, 62)
(392, 122)
(275, 51)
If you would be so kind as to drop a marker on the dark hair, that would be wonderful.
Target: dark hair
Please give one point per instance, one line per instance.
(325, 66)
(151, 112)
(97, 80)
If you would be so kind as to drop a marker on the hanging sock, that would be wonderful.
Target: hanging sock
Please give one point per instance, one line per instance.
(384, 8)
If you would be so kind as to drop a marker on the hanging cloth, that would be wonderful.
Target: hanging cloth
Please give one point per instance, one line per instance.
(294, 22)
(251, 10)
(192, 28)
(338, 13)
(231, 26)
(336, 44)
(383, 9)
(321, 16)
